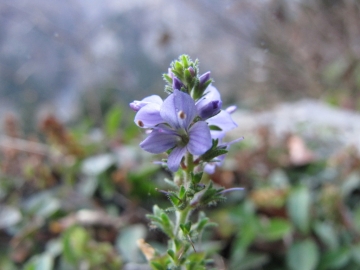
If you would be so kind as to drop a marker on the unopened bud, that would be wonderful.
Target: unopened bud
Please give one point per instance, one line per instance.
(204, 78)
(192, 71)
(177, 84)
(210, 109)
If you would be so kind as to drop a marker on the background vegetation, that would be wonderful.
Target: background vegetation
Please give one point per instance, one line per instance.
(75, 186)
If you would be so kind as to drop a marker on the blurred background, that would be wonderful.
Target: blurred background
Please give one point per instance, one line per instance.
(68, 70)
(66, 56)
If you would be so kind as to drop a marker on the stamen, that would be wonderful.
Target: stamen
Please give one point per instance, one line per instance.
(140, 123)
(182, 115)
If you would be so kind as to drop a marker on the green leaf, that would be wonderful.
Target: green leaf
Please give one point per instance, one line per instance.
(327, 234)
(213, 153)
(336, 259)
(188, 226)
(167, 78)
(40, 262)
(9, 216)
(174, 199)
(195, 261)
(279, 179)
(157, 266)
(188, 77)
(96, 165)
(185, 60)
(171, 253)
(357, 218)
(112, 121)
(275, 229)
(196, 177)
(160, 263)
(247, 234)
(355, 253)
(351, 183)
(213, 127)
(303, 255)
(182, 192)
(250, 261)
(75, 240)
(298, 207)
(126, 242)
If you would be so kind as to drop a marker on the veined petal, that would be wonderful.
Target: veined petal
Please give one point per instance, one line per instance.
(204, 78)
(153, 99)
(199, 138)
(148, 116)
(224, 121)
(178, 110)
(175, 157)
(212, 93)
(136, 105)
(158, 142)
(210, 104)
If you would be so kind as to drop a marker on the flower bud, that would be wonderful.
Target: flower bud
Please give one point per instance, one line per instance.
(177, 84)
(210, 109)
(204, 78)
(192, 71)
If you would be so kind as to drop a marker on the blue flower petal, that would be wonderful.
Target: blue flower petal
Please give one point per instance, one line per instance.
(178, 110)
(136, 105)
(175, 157)
(199, 138)
(210, 104)
(224, 121)
(148, 116)
(159, 141)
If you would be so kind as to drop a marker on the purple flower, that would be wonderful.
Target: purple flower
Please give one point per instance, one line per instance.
(210, 104)
(177, 84)
(209, 109)
(204, 78)
(148, 111)
(192, 71)
(224, 121)
(136, 105)
(175, 129)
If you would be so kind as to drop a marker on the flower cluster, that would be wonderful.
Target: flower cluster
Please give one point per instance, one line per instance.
(189, 120)
(189, 125)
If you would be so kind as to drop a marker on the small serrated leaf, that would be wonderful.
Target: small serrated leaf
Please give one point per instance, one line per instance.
(171, 253)
(196, 177)
(213, 153)
(167, 78)
(182, 192)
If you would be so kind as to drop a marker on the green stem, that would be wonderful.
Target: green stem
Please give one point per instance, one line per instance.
(189, 169)
(181, 218)
(183, 215)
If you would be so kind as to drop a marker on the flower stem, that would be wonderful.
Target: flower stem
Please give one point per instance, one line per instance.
(181, 218)
(189, 168)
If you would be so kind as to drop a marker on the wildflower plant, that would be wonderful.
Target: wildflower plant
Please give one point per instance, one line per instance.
(189, 126)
